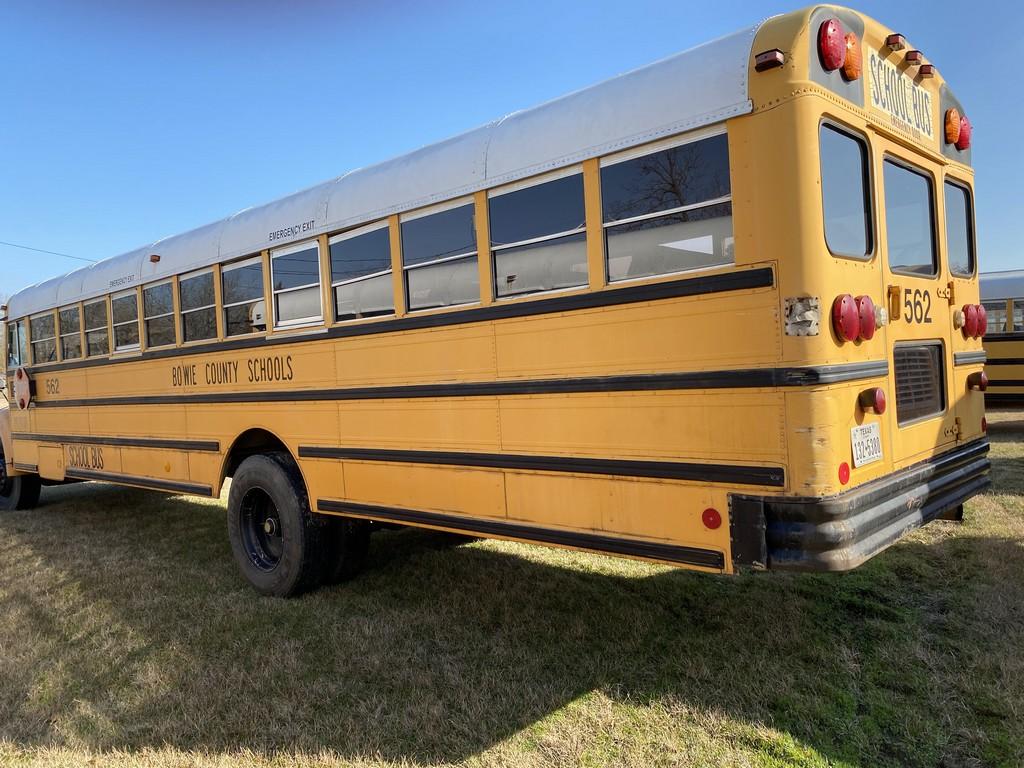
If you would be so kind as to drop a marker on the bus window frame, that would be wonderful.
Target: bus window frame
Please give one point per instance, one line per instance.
(231, 266)
(144, 330)
(494, 250)
(908, 165)
(349, 234)
(138, 321)
(182, 312)
(430, 210)
(105, 301)
(61, 335)
(868, 179)
(972, 239)
(55, 338)
(651, 148)
(299, 322)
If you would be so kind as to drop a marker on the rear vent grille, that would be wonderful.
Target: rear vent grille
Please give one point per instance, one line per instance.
(919, 388)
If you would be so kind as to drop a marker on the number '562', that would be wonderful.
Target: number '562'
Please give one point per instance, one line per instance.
(918, 306)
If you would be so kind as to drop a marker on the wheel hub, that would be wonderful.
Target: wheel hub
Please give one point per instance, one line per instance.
(270, 526)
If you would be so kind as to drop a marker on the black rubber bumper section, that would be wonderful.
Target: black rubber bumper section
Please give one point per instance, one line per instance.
(840, 532)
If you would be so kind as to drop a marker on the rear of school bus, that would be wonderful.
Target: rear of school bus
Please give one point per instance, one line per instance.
(860, 156)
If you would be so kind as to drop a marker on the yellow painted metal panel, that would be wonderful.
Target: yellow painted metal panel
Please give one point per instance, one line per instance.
(158, 464)
(480, 493)
(454, 424)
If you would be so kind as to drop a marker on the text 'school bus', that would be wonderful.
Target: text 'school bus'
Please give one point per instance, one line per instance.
(1002, 296)
(719, 311)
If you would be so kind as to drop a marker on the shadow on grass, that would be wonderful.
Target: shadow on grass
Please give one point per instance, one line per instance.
(127, 627)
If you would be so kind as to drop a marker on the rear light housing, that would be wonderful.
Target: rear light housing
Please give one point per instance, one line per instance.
(978, 381)
(982, 321)
(957, 129)
(964, 140)
(846, 318)
(872, 400)
(970, 328)
(853, 63)
(866, 313)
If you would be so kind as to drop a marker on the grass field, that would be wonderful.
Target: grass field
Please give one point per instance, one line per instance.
(127, 638)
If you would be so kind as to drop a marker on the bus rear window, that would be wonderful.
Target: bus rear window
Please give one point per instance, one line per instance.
(845, 199)
(959, 230)
(909, 220)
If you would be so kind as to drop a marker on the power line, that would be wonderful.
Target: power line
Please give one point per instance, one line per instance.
(43, 250)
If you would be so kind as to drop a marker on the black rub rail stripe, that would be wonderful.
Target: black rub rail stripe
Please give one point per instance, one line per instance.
(727, 379)
(1006, 382)
(172, 486)
(745, 279)
(707, 558)
(127, 442)
(734, 474)
(1006, 361)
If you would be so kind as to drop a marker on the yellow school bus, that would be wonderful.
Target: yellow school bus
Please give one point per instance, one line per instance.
(1002, 295)
(718, 312)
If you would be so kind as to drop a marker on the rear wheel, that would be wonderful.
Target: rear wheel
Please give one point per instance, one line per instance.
(19, 491)
(348, 545)
(279, 544)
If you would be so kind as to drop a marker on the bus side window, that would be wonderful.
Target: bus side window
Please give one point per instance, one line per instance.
(198, 306)
(244, 308)
(158, 314)
(361, 273)
(125, 309)
(669, 210)
(44, 338)
(439, 256)
(845, 193)
(97, 334)
(996, 311)
(70, 333)
(538, 236)
(959, 230)
(1018, 315)
(16, 351)
(295, 275)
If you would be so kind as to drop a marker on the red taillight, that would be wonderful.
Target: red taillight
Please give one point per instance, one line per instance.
(712, 518)
(873, 400)
(982, 320)
(978, 381)
(964, 139)
(846, 318)
(970, 328)
(866, 315)
(832, 44)
(844, 473)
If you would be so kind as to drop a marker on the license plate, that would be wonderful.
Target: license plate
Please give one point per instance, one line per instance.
(867, 444)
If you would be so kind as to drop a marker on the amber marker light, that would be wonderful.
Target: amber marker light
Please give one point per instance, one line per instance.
(952, 128)
(853, 63)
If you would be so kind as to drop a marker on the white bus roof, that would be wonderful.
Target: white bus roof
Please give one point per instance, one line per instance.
(698, 87)
(1002, 285)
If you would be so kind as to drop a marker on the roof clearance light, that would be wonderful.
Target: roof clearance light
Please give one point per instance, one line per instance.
(970, 328)
(832, 44)
(952, 125)
(866, 315)
(852, 65)
(914, 57)
(926, 70)
(964, 139)
(846, 318)
(769, 60)
(896, 42)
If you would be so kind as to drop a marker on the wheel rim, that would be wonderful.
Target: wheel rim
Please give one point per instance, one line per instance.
(260, 524)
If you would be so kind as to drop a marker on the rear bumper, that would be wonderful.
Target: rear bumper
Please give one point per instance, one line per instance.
(840, 532)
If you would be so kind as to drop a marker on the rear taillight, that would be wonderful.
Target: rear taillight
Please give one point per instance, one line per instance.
(970, 328)
(872, 400)
(964, 140)
(866, 314)
(846, 318)
(957, 129)
(982, 320)
(978, 381)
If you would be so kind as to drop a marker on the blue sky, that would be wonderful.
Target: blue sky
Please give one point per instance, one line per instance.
(124, 122)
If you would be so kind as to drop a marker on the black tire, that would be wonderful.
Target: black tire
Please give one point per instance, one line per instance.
(18, 492)
(278, 543)
(348, 544)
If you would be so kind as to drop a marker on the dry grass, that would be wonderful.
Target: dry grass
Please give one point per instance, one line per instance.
(127, 639)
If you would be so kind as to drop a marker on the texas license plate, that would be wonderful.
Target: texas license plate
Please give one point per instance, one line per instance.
(867, 444)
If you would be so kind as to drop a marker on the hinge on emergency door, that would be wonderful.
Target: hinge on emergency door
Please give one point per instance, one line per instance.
(955, 429)
(946, 293)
